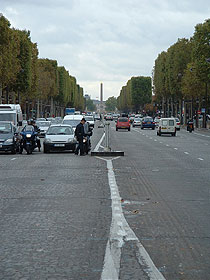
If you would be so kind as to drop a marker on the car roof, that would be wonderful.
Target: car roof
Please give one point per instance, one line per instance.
(53, 125)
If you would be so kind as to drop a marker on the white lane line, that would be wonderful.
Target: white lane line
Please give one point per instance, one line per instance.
(161, 142)
(186, 153)
(150, 138)
(120, 232)
(99, 143)
(176, 149)
(13, 159)
(167, 145)
(200, 158)
(155, 140)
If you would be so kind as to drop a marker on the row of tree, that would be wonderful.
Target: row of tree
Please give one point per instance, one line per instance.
(135, 95)
(40, 85)
(182, 74)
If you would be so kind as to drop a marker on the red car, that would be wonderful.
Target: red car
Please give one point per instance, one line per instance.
(123, 123)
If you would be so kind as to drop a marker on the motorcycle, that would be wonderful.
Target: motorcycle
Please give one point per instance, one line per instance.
(86, 144)
(190, 126)
(29, 140)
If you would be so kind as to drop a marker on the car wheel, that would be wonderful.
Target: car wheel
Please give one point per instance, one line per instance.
(13, 152)
(153, 128)
(142, 128)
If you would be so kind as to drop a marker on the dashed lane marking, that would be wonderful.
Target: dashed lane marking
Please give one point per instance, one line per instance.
(186, 153)
(200, 159)
(13, 159)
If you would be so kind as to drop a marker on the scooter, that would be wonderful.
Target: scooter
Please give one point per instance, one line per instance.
(86, 144)
(190, 126)
(29, 140)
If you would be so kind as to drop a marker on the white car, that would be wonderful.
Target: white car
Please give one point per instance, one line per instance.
(167, 126)
(72, 120)
(59, 137)
(43, 127)
(136, 122)
(177, 124)
(90, 119)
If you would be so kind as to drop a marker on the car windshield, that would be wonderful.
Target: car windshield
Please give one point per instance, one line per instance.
(43, 124)
(123, 120)
(89, 118)
(73, 123)
(60, 130)
(5, 128)
(7, 117)
(137, 119)
(148, 119)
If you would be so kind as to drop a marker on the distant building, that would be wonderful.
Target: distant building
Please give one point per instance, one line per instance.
(100, 106)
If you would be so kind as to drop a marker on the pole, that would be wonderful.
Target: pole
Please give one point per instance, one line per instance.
(107, 137)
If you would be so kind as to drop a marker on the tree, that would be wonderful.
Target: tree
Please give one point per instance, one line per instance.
(90, 106)
(111, 104)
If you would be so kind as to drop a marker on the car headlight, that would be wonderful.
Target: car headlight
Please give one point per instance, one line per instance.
(47, 140)
(72, 140)
(9, 141)
(28, 135)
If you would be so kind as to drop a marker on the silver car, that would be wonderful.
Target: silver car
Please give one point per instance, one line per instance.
(59, 137)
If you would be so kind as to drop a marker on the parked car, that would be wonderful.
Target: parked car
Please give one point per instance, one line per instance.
(136, 122)
(148, 122)
(9, 137)
(40, 119)
(59, 137)
(123, 123)
(167, 126)
(43, 127)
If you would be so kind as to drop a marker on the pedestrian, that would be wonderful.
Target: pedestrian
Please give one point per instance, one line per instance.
(80, 133)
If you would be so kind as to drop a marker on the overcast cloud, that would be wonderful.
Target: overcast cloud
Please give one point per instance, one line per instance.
(105, 41)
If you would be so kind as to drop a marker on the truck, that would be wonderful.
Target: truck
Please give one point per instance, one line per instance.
(11, 113)
(69, 111)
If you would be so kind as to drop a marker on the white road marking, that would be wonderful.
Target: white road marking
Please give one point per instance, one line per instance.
(13, 159)
(167, 145)
(155, 140)
(120, 232)
(186, 153)
(200, 158)
(99, 143)
(176, 149)
(161, 142)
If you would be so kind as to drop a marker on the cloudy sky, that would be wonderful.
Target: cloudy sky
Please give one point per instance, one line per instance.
(105, 41)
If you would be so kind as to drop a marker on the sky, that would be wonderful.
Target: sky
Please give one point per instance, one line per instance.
(106, 41)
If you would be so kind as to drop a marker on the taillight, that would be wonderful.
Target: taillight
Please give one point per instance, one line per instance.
(143, 122)
(153, 122)
(178, 123)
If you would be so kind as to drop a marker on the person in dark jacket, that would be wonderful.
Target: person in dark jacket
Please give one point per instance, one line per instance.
(80, 133)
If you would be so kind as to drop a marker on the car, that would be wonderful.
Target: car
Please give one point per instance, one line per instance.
(136, 122)
(157, 120)
(177, 124)
(90, 119)
(97, 117)
(59, 137)
(147, 122)
(131, 118)
(72, 120)
(123, 123)
(43, 127)
(9, 137)
(167, 126)
(115, 116)
(40, 119)
(109, 117)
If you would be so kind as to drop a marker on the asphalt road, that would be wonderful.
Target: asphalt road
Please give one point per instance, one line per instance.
(58, 213)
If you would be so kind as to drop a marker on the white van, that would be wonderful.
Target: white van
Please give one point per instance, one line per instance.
(167, 126)
(72, 120)
(11, 113)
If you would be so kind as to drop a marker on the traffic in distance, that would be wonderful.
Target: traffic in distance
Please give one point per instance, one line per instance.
(17, 134)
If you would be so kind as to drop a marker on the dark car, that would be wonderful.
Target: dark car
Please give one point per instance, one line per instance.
(123, 123)
(148, 122)
(9, 138)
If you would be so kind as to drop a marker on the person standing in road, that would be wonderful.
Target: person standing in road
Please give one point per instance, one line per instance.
(80, 133)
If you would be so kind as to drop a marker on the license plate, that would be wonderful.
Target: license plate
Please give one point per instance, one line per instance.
(123, 127)
(163, 127)
(59, 145)
(149, 122)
